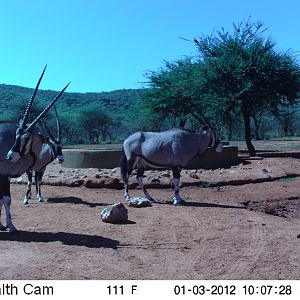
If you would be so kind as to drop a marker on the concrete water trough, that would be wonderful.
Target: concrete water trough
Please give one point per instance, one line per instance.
(109, 158)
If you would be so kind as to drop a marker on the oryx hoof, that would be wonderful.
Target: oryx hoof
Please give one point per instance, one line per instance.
(178, 202)
(12, 229)
(3, 228)
(25, 201)
(40, 199)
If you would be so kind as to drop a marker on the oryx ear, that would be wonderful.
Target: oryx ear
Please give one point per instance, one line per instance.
(20, 121)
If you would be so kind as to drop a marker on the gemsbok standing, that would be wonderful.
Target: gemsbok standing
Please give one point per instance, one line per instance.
(51, 150)
(172, 149)
(22, 156)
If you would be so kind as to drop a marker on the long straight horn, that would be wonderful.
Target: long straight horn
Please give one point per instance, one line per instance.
(45, 125)
(25, 117)
(57, 124)
(48, 130)
(30, 127)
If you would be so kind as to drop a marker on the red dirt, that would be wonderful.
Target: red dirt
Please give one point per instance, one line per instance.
(242, 230)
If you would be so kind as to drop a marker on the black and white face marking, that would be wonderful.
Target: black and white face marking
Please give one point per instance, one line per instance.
(58, 151)
(21, 146)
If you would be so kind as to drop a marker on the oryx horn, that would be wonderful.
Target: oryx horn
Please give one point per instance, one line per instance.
(48, 130)
(25, 117)
(57, 124)
(30, 127)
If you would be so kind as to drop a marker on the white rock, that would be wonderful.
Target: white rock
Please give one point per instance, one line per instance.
(139, 202)
(19, 180)
(116, 213)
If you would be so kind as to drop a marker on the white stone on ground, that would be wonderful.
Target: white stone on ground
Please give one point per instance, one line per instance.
(116, 213)
(139, 202)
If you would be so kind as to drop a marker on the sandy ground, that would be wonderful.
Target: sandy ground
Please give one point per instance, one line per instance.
(248, 228)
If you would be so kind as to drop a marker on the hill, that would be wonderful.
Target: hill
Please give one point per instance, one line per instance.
(115, 102)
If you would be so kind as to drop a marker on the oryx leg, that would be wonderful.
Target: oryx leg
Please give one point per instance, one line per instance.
(38, 180)
(139, 179)
(130, 166)
(29, 184)
(7, 201)
(2, 227)
(177, 200)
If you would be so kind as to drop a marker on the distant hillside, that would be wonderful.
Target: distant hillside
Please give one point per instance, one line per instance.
(115, 102)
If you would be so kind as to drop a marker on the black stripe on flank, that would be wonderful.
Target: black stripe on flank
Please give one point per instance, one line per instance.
(151, 164)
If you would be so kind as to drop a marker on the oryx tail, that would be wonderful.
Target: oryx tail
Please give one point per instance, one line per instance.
(123, 165)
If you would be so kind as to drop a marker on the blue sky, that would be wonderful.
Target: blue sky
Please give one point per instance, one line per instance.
(104, 45)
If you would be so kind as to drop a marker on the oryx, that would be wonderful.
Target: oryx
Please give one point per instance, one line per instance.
(21, 152)
(51, 149)
(172, 149)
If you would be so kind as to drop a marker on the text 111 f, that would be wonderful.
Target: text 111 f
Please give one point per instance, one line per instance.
(120, 290)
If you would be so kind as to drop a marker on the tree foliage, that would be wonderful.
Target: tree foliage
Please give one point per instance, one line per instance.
(247, 71)
(236, 74)
(96, 122)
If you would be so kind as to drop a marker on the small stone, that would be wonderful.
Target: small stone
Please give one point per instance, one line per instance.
(194, 175)
(165, 175)
(19, 180)
(73, 182)
(155, 180)
(116, 213)
(52, 176)
(139, 202)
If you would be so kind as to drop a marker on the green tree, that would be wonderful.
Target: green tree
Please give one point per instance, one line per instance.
(176, 91)
(170, 91)
(141, 118)
(71, 129)
(286, 118)
(248, 73)
(236, 74)
(96, 122)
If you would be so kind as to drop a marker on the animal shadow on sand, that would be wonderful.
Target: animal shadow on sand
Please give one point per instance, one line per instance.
(204, 204)
(75, 200)
(66, 238)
